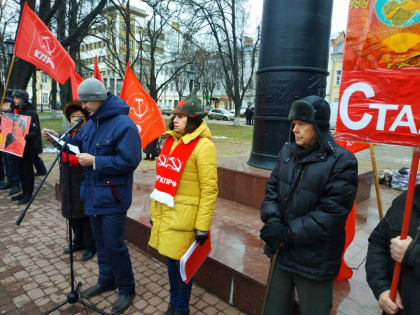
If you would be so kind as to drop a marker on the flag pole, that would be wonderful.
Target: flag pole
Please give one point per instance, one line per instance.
(7, 82)
(375, 177)
(406, 218)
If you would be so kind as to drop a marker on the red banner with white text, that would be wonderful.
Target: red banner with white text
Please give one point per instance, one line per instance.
(379, 92)
(38, 46)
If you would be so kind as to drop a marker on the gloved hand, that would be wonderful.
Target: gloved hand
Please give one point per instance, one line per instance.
(201, 236)
(273, 231)
(271, 248)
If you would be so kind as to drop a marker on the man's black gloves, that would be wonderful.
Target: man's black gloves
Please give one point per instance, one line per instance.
(201, 236)
(274, 231)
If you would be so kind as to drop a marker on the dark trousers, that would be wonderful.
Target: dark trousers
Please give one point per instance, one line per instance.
(39, 165)
(180, 292)
(26, 172)
(82, 234)
(315, 298)
(113, 256)
(11, 166)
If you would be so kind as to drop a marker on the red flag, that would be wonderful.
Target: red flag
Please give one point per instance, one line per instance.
(345, 271)
(38, 46)
(76, 79)
(353, 146)
(143, 109)
(96, 72)
(379, 94)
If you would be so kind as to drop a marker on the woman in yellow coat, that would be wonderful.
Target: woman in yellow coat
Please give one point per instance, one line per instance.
(185, 193)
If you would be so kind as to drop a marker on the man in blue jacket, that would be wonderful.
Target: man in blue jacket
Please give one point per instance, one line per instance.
(110, 152)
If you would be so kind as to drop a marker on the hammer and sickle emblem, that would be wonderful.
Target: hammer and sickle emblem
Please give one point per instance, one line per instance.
(48, 46)
(138, 111)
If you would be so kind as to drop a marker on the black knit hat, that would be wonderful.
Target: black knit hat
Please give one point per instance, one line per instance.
(315, 110)
(190, 106)
(72, 107)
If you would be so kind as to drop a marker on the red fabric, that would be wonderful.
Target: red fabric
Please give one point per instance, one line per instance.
(73, 161)
(17, 111)
(38, 46)
(76, 79)
(96, 72)
(345, 271)
(352, 146)
(143, 109)
(169, 166)
(379, 94)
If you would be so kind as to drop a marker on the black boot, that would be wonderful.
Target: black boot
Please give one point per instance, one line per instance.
(6, 185)
(170, 310)
(17, 197)
(147, 157)
(123, 302)
(15, 188)
(25, 200)
(182, 313)
(95, 290)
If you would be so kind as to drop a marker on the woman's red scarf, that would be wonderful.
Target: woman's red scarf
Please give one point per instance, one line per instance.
(169, 167)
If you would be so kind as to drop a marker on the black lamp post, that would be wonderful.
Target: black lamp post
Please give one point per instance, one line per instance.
(10, 45)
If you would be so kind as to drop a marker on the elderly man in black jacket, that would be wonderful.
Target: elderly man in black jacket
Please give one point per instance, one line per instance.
(308, 197)
(386, 247)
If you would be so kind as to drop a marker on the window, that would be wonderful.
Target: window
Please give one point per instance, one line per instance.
(337, 77)
(217, 85)
(122, 25)
(44, 98)
(130, 43)
(43, 78)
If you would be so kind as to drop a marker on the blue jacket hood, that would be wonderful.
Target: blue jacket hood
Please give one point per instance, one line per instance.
(111, 107)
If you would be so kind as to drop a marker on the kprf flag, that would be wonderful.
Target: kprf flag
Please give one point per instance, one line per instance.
(379, 91)
(143, 109)
(76, 79)
(96, 72)
(352, 146)
(38, 46)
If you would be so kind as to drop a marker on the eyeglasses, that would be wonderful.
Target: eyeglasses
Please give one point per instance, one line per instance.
(76, 116)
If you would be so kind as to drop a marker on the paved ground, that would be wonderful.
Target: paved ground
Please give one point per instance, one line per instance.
(34, 272)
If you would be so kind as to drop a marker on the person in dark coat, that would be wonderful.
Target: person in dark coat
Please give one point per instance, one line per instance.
(70, 180)
(110, 152)
(308, 197)
(385, 248)
(32, 146)
(151, 150)
(248, 115)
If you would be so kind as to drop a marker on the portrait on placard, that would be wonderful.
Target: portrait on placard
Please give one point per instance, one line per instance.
(14, 129)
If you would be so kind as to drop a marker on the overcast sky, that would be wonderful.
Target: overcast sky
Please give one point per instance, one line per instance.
(339, 16)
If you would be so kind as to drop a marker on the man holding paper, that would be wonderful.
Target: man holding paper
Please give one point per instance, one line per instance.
(111, 151)
(184, 196)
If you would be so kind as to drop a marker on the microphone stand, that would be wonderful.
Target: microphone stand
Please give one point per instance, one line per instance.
(73, 296)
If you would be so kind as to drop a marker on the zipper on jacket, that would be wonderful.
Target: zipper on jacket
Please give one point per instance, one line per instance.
(418, 232)
(300, 180)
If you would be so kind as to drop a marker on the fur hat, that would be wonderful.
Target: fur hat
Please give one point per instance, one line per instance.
(21, 94)
(72, 107)
(190, 106)
(92, 90)
(315, 110)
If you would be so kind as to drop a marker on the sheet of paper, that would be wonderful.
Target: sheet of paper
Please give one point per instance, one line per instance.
(73, 149)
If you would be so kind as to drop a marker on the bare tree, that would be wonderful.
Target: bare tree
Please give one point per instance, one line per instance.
(226, 21)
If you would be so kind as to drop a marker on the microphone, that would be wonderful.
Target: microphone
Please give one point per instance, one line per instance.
(76, 124)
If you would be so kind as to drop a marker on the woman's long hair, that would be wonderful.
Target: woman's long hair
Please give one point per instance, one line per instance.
(192, 123)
